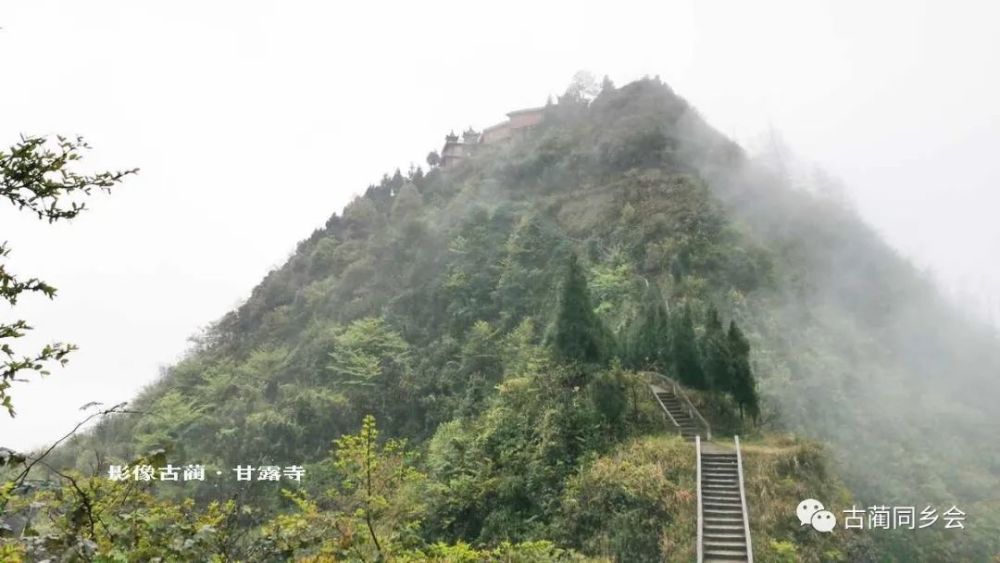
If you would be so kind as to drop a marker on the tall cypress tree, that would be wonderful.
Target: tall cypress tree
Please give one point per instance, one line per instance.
(684, 349)
(648, 336)
(717, 358)
(580, 335)
(744, 388)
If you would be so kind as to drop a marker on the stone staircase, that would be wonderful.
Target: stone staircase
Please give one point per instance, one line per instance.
(678, 413)
(723, 528)
(724, 531)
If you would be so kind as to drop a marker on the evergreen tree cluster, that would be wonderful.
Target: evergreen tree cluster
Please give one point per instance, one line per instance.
(718, 360)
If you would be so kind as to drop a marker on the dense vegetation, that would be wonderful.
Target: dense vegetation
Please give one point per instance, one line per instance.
(459, 361)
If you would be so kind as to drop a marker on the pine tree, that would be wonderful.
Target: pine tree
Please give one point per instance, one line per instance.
(744, 386)
(684, 349)
(647, 342)
(579, 334)
(717, 358)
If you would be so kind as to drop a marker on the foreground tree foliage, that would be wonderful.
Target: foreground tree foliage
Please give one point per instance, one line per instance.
(38, 175)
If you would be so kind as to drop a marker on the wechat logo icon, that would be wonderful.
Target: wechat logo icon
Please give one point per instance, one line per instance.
(812, 512)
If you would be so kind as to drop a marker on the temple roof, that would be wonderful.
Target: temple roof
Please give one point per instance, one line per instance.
(525, 110)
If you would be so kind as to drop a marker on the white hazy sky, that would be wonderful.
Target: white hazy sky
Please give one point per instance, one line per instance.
(252, 122)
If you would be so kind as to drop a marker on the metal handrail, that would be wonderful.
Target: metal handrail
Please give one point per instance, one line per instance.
(690, 407)
(743, 500)
(701, 525)
(664, 408)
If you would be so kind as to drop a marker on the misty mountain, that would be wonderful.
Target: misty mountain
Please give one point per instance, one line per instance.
(426, 298)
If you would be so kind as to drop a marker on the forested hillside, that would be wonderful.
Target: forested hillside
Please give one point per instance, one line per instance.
(492, 322)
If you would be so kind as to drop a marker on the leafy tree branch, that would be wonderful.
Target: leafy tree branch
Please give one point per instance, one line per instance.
(37, 175)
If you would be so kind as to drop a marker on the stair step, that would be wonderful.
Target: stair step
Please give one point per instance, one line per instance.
(716, 504)
(733, 523)
(723, 512)
(721, 498)
(733, 520)
(735, 544)
(725, 555)
(724, 529)
(729, 510)
(733, 501)
(724, 520)
(720, 493)
(724, 536)
(728, 501)
(716, 499)
(716, 516)
(738, 545)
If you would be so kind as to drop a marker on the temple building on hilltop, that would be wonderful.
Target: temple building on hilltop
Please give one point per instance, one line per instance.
(455, 150)
(518, 122)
